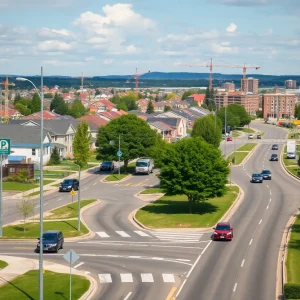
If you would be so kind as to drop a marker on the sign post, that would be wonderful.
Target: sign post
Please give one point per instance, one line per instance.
(72, 193)
(119, 153)
(71, 256)
(4, 150)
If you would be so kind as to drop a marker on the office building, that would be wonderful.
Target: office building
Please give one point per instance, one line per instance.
(290, 84)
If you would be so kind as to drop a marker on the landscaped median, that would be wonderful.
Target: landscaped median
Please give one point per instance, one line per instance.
(115, 176)
(241, 153)
(3, 264)
(173, 211)
(63, 218)
(291, 164)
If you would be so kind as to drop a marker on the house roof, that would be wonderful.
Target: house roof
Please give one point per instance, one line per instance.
(173, 122)
(198, 97)
(160, 125)
(95, 120)
(47, 115)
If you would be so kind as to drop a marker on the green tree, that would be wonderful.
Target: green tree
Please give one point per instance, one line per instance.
(25, 111)
(167, 108)
(54, 158)
(59, 105)
(194, 168)
(297, 112)
(136, 139)
(240, 111)
(35, 103)
(204, 106)
(259, 113)
(18, 98)
(25, 208)
(209, 95)
(81, 144)
(156, 98)
(122, 106)
(77, 109)
(150, 108)
(97, 92)
(205, 127)
(65, 91)
(48, 96)
(231, 119)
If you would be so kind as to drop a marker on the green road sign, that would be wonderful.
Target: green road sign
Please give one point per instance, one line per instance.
(4, 146)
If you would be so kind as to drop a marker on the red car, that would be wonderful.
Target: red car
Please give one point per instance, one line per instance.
(223, 231)
(229, 139)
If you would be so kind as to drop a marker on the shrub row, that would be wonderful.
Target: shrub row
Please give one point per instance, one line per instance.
(292, 291)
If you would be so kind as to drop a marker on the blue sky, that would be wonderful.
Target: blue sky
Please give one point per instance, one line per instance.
(93, 37)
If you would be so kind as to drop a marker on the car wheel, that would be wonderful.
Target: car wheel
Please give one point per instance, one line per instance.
(62, 246)
(56, 249)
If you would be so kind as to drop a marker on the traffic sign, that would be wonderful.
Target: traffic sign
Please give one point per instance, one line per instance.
(119, 153)
(71, 256)
(4, 146)
(72, 193)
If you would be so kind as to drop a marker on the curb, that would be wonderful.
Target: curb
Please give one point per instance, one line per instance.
(92, 289)
(283, 166)
(116, 181)
(225, 217)
(249, 155)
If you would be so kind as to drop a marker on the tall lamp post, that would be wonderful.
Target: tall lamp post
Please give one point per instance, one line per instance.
(78, 226)
(41, 94)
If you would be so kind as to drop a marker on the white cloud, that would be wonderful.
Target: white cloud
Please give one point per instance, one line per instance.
(90, 58)
(28, 4)
(131, 49)
(108, 61)
(221, 49)
(244, 2)
(53, 46)
(60, 63)
(231, 28)
(53, 33)
(183, 38)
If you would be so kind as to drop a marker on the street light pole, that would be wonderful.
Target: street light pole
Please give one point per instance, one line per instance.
(119, 156)
(225, 129)
(79, 221)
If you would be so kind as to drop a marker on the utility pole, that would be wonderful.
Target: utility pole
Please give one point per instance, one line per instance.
(119, 157)
(225, 129)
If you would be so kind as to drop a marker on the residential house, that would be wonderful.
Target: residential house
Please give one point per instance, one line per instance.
(159, 106)
(198, 98)
(25, 144)
(47, 115)
(174, 114)
(167, 132)
(110, 115)
(12, 113)
(142, 104)
(177, 103)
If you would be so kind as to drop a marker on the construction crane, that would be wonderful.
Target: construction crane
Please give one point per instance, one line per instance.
(6, 84)
(136, 76)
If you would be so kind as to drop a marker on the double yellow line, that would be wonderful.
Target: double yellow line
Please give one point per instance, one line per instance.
(170, 295)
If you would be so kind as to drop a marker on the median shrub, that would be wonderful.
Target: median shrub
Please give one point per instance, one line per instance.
(292, 291)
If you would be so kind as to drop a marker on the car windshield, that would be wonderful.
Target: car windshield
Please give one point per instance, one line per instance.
(266, 172)
(275, 146)
(49, 236)
(256, 175)
(141, 164)
(223, 227)
(68, 182)
(274, 155)
(106, 163)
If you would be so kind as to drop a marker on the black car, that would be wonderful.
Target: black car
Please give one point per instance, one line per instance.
(258, 136)
(257, 178)
(266, 174)
(274, 147)
(68, 184)
(274, 157)
(53, 240)
(107, 166)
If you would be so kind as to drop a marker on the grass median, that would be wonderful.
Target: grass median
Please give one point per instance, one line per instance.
(68, 211)
(173, 211)
(32, 229)
(22, 187)
(56, 286)
(123, 174)
(3, 264)
(152, 191)
(241, 153)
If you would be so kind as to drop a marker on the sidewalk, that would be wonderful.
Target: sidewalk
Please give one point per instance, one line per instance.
(18, 266)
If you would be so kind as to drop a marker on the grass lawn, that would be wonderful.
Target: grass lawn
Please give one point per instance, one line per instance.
(235, 134)
(115, 176)
(93, 158)
(246, 129)
(55, 174)
(3, 264)
(56, 286)
(69, 165)
(173, 211)
(35, 193)
(69, 228)
(289, 162)
(239, 157)
(293, 256)
(152, 191)
(247, 147)
(68, 211)
(15, 186)
(293, 170)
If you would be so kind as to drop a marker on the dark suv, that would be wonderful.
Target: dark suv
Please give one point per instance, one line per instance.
(68, 184)
(266, 174)
(107, 166)
(274, 147)
(274, 157)
(53, 240)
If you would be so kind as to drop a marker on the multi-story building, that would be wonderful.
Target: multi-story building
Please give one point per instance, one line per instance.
(228, 86)
(278, 105)
(249, 85)
(290, 84)
(250, 102)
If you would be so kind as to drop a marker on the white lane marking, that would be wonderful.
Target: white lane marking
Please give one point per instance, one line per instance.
(126, 277)
(243, 263)
(80, 264)
(267, 185)
(259, 222)
(102, 234)
(87, 272)
(268, 207)
(59, 199)
(141, 233)
(134, 256)
(270, 193)
(270, 199)
(129, 294)
(168, 278)
(182, 259)
(84, 189)
(235, 286)
(181, 288)
(250, 242)
(122, 233)
(157, 258)
(95, 183)
(147, 277)
(105, 278)
(205, 248)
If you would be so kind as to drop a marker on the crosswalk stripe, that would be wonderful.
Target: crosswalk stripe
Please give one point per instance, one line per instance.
(147, 277)
(177, 233)
(105, 278)
(102, 234)
(126, 277)
(141, 233)
(122, 233)
(168, 278)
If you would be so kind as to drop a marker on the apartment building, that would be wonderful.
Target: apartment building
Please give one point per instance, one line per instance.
(228, 86)
(290, 84)
(250, 102)
(249, 85)
(278, 105)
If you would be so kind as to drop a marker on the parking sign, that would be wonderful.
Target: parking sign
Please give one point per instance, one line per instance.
(4, 146)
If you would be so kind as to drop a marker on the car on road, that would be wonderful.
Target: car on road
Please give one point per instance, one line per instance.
(258, 136)
(250, 136)
(274, 157)
(229, 139)
(68, 185)
(266, 174)
(107, 166)
(257, 178)
(274, 147)
(144, 165)
(53, 240)
(223, 231)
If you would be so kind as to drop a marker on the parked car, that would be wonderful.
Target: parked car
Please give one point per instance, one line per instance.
(266, 174)
(223, 231)
(144, 165)
(107, 166)
(250, 136)
(68, 184)
(53, 240)
(274, 147)
(257, 178)
(258, 136)
(274, 157)
(229, 139)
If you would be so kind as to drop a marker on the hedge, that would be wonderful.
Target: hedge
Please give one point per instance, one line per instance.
(292, 291)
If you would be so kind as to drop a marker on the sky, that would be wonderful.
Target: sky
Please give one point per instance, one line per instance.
(95, 37)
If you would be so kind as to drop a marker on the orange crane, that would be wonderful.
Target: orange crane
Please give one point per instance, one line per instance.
(6, 101)
(136, 76)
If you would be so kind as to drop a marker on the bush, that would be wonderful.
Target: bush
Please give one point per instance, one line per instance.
(292, 291)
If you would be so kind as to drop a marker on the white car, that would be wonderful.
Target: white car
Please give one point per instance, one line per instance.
(250, 136)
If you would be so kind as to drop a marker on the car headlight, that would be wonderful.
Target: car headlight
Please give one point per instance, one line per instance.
(229, 233)
(52, 245)
(69, 186)
(215, 232)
